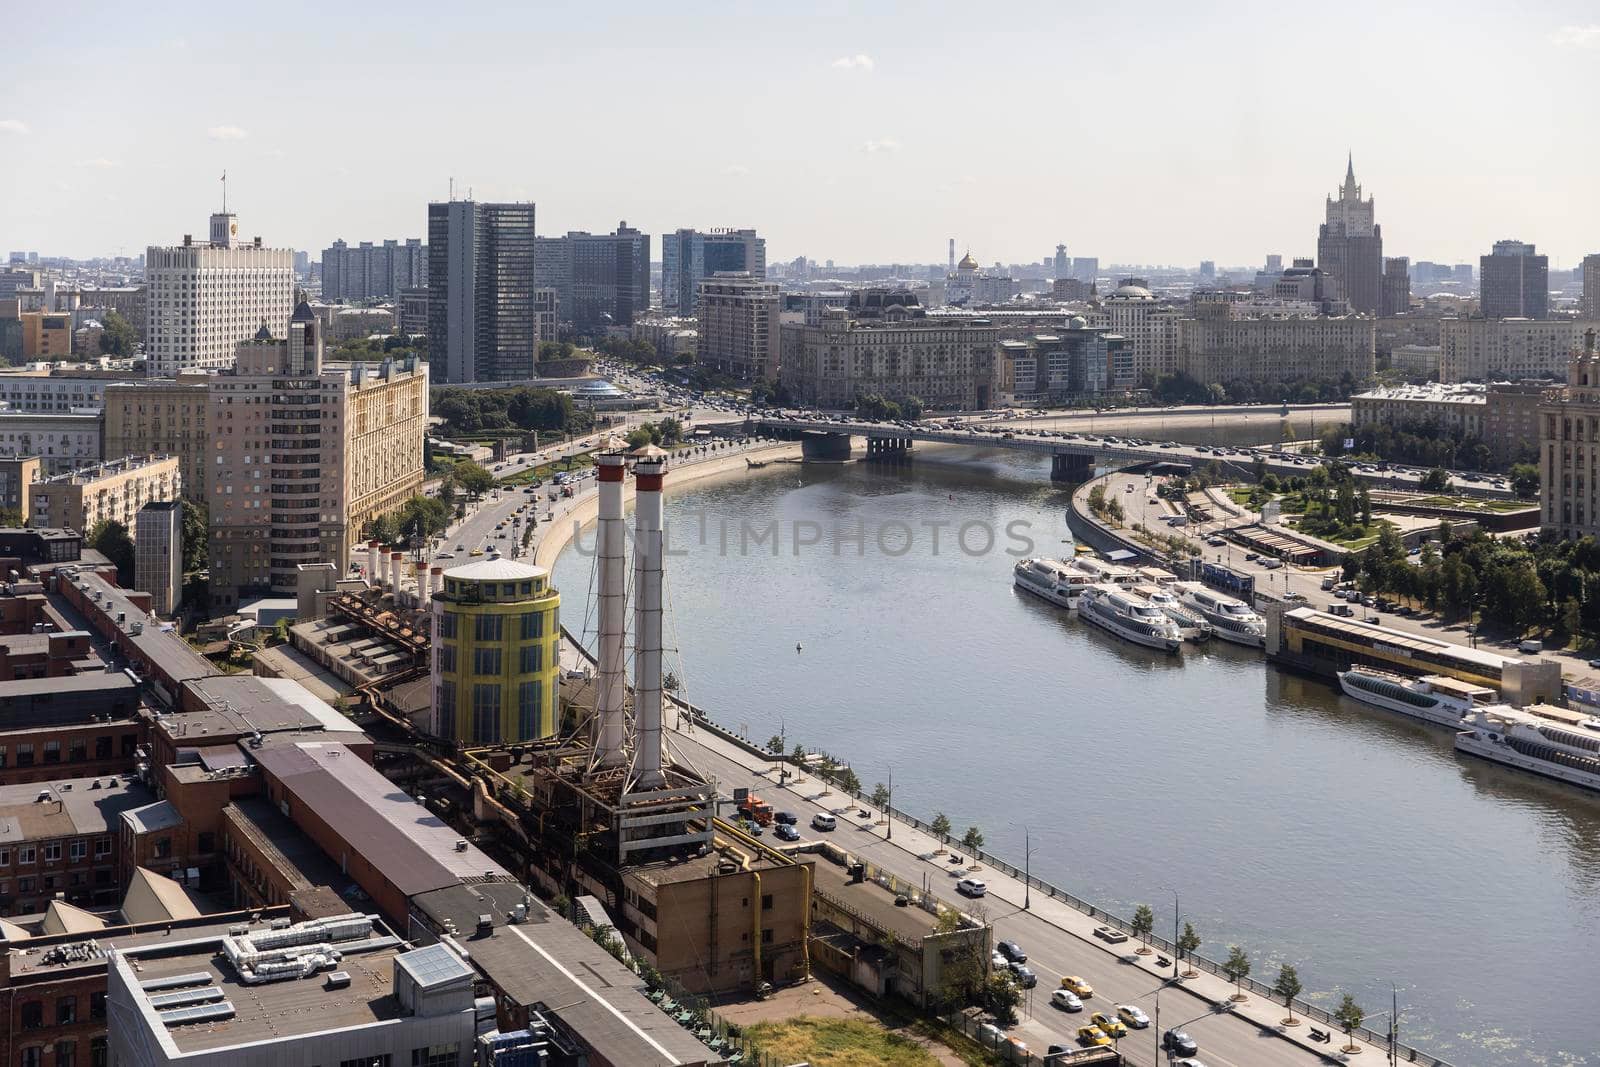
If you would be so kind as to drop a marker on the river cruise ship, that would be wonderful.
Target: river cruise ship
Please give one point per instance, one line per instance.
(1230, 619)
(1129, 616)
(1431, 698)
(1551, 742)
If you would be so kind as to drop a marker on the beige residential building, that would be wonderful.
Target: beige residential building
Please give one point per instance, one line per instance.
(113, 491)
(1511, 419)
(884, 344)
(1480, 350)
(17, 476)
(1569, 449)
(1453, 407)
(1151, 327)
(1217, 347)
(302, 454)
(161, 415)
(738, 332)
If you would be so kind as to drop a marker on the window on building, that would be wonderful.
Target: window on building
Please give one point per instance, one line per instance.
(66, 1011)
(102, 847)
(25, 854)
(486, 661)
(447, 658)
(487, 627)
(66, 1054)
(766, 902)
(532, 624)
(97, 1005)
(77, 850)
(32, 1014)
(130, 742)
(531, 659)
(102, 747)
(25, 755)
(766, 936)
(52, 852)
(383, 1060)
(447, 624)
(163, 848)
(529, 708)
(32, 1056)
(99, 1054)
(486, 713)
(52, 751)
(436, 1055)
(77, 750)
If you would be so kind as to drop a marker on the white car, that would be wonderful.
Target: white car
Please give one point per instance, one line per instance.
(1066, 1000)
(823, 821)
(971, 887)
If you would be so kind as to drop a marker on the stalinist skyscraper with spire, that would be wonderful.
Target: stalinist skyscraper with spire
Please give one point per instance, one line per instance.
(1350, 246)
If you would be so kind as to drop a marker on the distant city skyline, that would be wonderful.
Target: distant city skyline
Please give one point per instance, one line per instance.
(1202, 149)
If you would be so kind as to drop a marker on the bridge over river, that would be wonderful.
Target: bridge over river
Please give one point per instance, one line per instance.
(1073, 454)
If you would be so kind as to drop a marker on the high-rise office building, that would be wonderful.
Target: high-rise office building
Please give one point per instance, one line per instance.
(1274, 264)
(1591, 286)
(481, 321)
(1350, 245)
(689, 257)
(1061, 265)
(496, 654)
(373, 272)
(738, 321)
(204, 298)
(610, 278)
(1514, 282)
(304, 453)
(1396, 286)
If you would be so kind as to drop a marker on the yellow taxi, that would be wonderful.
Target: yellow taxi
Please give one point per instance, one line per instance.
(1089, 1036)
(476, 552)
(1077, 985)
(1112, 1027)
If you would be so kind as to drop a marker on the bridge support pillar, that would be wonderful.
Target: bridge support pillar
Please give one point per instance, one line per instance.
(821, 445)
(888, 448)
(1067, 467)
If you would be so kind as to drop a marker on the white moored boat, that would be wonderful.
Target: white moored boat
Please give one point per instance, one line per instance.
(1433, 698)
(1100, 571)
(1130, 617)
(1559, 748)
(1191, 625)
(1230, 619)
(1051, 579)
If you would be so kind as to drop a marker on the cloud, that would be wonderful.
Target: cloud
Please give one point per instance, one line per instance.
(736, 170)
(16, 126)
(1577, 36)
(855, 62)
(226, 133)
(101, 163)
(887, 145)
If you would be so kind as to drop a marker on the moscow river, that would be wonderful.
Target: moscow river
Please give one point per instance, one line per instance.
(1288, 819)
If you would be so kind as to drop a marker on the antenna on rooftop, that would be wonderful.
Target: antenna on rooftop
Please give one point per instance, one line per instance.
(224, 192)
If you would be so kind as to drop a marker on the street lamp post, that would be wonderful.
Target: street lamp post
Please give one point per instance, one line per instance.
(1175, 934)
(888, 808)
(1027, 870)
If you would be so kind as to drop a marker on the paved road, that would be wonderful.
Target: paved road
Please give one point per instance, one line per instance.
(1225, 1040)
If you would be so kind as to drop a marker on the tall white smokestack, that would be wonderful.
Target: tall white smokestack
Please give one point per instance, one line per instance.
(395, 559)
(373, 576)
(610, 720)
(435, 579)
(649, 470)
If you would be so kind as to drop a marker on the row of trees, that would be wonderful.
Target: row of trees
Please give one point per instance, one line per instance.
(1420, 443)
(1183, 388)
(418, 519)
(876, 408)
(518, 408)
(624, 350)
(117, 337)
(1546, 583)
(666, 433)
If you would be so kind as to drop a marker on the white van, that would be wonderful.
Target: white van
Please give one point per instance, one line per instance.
(971, 887)
(1532, 648)
(823, 821)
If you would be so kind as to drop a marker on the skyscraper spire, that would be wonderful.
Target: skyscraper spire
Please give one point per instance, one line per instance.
(1350, 169)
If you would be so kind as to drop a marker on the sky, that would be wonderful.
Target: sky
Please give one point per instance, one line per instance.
(1157, 133)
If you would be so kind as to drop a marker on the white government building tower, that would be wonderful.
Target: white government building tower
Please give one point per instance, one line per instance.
(203, 299)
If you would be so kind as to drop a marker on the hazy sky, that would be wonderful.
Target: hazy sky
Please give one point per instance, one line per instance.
(1157, 132)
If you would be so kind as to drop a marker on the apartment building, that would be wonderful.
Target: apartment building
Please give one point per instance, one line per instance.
(1150, 327)
(164, 416)
(46, 335)
(112, 491)
(1569, 449)
(1486, 349)
(738, 326)
(302, 454)
(883, 343)
(373, 272)
(1215, 346)
(1453, 407)
(204, 298)
(62, 442)
(17, 476)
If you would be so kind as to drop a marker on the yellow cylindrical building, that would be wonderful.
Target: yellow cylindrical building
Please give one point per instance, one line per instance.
(496, 654)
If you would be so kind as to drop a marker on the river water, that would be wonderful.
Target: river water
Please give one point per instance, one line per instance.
(1289, 819)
